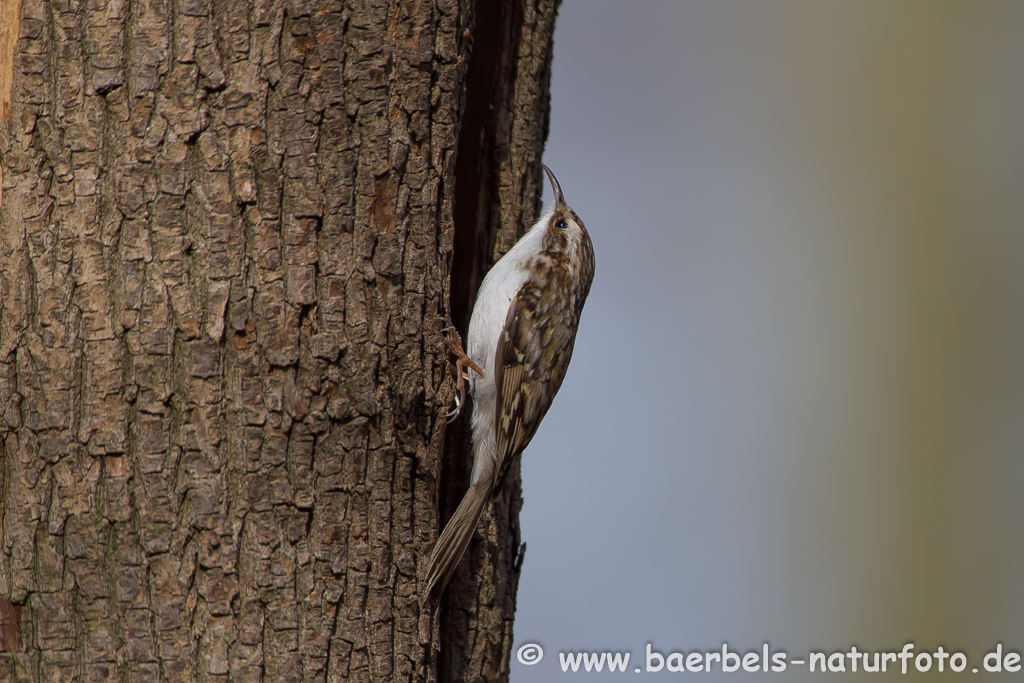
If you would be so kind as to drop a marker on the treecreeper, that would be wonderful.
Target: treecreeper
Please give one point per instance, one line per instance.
(520, 342)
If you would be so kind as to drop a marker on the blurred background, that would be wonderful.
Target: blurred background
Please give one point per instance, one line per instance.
(795, 413)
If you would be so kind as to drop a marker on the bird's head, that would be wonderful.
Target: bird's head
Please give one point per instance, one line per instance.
(564, 230)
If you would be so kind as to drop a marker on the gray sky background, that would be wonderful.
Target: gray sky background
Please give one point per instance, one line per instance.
(795, 413)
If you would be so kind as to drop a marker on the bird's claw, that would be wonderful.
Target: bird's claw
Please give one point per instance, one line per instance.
(450, 417)
(450, 337)
(453, 341)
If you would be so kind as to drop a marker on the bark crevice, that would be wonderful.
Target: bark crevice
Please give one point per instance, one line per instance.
(496, 198)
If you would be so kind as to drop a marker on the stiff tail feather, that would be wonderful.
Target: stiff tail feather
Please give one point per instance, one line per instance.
(454, 540)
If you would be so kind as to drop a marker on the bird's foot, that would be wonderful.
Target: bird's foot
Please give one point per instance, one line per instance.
(460, 370)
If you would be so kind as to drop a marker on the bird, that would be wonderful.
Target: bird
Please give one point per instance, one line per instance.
(521, 336)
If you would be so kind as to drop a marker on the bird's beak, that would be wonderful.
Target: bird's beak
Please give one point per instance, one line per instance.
(554, 186)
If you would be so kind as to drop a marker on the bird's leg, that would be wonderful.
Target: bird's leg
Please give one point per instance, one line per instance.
(460, 370)
(454, 343)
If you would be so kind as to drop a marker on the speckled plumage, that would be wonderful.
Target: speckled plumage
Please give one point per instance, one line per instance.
(521, 335)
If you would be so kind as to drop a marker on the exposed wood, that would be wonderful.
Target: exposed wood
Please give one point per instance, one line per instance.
(10, 14)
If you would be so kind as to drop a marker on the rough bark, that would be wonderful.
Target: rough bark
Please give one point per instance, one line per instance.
(225, 231)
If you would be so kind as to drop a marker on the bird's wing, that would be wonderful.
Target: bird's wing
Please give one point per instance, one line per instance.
(525, 363)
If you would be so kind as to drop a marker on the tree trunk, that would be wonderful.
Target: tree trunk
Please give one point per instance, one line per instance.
(226, 229)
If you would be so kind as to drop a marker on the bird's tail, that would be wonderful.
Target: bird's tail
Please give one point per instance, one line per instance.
(454, 540)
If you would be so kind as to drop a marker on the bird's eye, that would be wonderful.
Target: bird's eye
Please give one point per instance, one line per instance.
(560, 224)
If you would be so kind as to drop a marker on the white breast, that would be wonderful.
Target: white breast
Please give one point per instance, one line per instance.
(489, 312)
